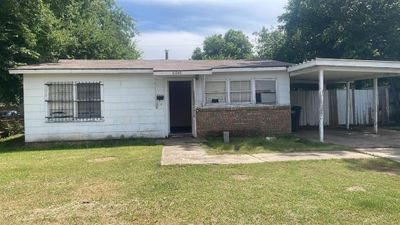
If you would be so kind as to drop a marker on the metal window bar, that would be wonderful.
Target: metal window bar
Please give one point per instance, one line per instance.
(89, 101)
(60, 102)
(68, 101)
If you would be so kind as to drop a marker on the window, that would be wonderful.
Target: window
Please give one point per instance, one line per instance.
(266, 92)
(215, 92)
(89, 100)
(60, 101)
(240, 91)
(68, 101)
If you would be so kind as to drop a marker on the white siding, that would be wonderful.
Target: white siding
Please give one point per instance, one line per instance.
(129, 108)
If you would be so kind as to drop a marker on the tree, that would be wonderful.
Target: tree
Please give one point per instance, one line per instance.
(269, 43)
(359, 29)
(45, 30)
(197, 54)
(232, 45)
(364, 29)
(24, 25)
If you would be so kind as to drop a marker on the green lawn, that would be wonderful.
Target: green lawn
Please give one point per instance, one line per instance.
(285, 143)
(123, 183)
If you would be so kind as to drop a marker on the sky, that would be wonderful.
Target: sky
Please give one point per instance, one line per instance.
(181, 25)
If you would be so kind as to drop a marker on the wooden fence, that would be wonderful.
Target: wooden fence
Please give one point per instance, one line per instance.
(361, 110)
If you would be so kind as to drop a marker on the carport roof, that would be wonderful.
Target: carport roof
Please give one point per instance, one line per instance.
(342, 70)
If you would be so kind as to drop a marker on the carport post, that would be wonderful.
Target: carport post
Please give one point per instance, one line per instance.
(348, 105)
(321, 105)
(376, 105)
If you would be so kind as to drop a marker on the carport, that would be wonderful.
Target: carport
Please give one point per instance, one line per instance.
(330, 71)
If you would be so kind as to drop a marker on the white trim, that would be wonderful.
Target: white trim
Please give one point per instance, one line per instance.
(194, 120)
(179, 73)
(276, 90)
(226, 92)
(321, 105)
(168, 103)
(349, 65)
(230, 91)
(80, 71)
(253, 91)
(258, 69)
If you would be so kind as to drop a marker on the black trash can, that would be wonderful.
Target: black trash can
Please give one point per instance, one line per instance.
(296, 110)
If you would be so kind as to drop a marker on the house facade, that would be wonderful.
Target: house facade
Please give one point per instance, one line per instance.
(101, 99)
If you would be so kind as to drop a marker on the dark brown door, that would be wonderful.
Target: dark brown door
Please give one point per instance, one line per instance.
(180, 106)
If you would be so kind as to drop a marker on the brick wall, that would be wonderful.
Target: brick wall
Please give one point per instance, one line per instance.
(243, 121)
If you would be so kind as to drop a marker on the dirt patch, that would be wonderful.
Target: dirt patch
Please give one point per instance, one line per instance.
(392, 173)
(89, 192)
(241, 177)
(102, 159)
(355, 188)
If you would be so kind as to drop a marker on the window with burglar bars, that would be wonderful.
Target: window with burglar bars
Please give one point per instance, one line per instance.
(68, 101)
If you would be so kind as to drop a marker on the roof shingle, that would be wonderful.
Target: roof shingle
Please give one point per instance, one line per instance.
(156, 65)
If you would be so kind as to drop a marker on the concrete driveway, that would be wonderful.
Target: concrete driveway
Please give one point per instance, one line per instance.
(356, 138)
(385, 144)
(186, 151)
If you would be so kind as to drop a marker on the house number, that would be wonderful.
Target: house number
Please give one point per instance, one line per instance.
(176, 73)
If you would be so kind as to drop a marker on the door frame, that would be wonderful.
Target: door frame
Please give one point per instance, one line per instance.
(193, 98)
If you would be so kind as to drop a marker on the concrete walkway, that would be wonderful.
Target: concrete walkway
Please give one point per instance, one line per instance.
(187, 152)
(389, 153)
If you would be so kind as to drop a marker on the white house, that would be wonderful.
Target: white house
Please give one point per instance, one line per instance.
(99, 99)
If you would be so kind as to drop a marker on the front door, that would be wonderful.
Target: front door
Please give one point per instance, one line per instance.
(180, 106)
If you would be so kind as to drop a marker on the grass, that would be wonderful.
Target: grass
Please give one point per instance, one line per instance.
(123, 183)
(285, 143)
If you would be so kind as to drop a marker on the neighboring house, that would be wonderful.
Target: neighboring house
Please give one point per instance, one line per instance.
(98, 99)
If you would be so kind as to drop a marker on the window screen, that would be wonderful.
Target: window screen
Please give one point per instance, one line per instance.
(215, 92)
(240, 91)
(60, 101)
(89, 100)
(266, 92)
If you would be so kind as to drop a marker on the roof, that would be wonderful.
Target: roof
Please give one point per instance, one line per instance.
(155, 65)
(343, 70)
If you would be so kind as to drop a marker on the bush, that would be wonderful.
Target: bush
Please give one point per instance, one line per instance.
(11, 127)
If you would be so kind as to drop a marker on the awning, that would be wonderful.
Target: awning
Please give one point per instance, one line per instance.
(323, 71)
(343, 70)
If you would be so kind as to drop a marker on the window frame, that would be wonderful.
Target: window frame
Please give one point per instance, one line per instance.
(75, 101)
(230, 91)
(253, 92)
(226, 93)
(276, 91)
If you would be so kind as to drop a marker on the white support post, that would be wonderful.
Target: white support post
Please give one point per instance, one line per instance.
(203, 91)
(348, 105)
(376, 105)
(321, 105)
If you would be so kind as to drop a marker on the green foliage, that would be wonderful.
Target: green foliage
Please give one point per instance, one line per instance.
(359, 29)
(269, 43)
(364, 29)
(197, 54)
(42, 30)
(52, 185)
(283, 143)
(11, 127)
(232, 45)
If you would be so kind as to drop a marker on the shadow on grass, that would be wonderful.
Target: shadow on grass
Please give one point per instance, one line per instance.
(281, 144)
(377, 165)
(17, 144)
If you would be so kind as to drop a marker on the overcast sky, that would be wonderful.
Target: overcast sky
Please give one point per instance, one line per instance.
(181, 25)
